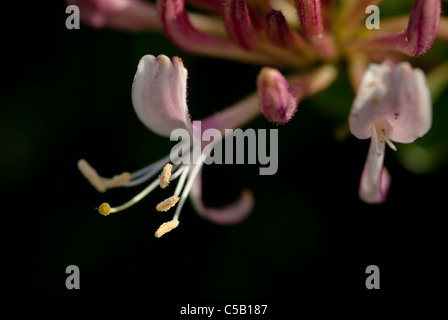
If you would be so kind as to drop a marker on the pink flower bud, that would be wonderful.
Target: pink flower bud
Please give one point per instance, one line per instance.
(276, 101)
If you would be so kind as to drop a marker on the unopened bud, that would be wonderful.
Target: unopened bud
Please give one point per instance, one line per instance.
(276, 101)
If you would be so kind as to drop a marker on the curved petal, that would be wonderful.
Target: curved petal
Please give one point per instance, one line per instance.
(367, 106)
(159, 94)
(310, 16)
(231, 214)
(397, 96)
(282, 35)
(375, 179)
(410, 108)
(237, 20)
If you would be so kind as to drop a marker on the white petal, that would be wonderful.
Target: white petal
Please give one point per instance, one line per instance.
(395, 97)
(410, 109)
(367, 106)
(375, 179)
(159, 94)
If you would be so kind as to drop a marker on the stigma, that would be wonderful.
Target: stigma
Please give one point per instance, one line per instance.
(102, 184)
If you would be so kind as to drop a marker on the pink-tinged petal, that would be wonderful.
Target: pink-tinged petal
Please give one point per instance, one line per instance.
(234, 116)
(375, 179)
(231, 214)
(246, 27)
(416, 40)
(409, 111)
(283, 36)
(368, 104)
(397, 98)
(179, 29)
(238, 22)
(279, 97)
(277, 103)
(442, 32)
(209, 5)
(159, 94)
(422, 26)
(310, 15)
(125, 15)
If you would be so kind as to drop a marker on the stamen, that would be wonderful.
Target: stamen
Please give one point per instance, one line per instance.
(166, 204)
(389, 143)
(148, 172)
(166, 227)
(137, 198)
(165, 175)
(182, 179)
(192, 177)
(151, 167)
(100, 183)
(178, 172)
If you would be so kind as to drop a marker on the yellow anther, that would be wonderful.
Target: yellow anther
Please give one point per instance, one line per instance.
(166, 204)
(102, 184)
(166, 227)
(165, 175)
(104, 209)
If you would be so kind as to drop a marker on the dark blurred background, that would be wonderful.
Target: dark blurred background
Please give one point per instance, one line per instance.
(65, 95)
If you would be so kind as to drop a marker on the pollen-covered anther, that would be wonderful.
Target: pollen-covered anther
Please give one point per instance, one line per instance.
(165, 175)
(166, 227)
(166, 204)
(104, 209)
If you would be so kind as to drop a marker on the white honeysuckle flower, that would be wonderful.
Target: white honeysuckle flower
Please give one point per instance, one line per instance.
(393, 104)
(159, 96)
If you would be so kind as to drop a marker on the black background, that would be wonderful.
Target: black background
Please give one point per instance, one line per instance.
(66, 96)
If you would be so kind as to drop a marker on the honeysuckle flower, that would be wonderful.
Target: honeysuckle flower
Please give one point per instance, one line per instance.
(393, 104)
(159, 99)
